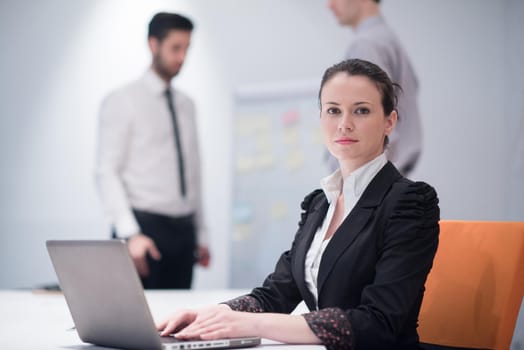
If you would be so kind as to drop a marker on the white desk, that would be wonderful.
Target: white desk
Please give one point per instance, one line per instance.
(41, 320)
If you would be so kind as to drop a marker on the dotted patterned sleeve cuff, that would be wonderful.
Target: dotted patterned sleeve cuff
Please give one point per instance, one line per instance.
(245, 303)
(331, 326)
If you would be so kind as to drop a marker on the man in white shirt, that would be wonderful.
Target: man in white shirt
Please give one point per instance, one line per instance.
(374, 41)
(148, 164)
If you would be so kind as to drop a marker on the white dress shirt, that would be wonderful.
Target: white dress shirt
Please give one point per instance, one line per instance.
(137, 163)
(333, 185)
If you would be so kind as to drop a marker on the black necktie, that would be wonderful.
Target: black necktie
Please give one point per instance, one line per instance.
(177, 142)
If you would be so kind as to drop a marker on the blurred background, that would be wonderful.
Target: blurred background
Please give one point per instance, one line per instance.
(60, 58)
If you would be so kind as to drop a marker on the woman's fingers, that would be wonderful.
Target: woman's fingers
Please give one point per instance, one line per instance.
(171, 327)
(210, 323)
(200, 325)
(217, 334)
(222, 324)
(161, 325)
(209, 331)
(175, 322)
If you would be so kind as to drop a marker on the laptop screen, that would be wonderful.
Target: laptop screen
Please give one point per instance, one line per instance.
(106, 299)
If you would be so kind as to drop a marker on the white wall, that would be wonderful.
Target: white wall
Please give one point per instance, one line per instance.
(514, 108)
(460, 60)
(59, 58)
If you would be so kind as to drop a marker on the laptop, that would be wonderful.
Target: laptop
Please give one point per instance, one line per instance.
(107, 302)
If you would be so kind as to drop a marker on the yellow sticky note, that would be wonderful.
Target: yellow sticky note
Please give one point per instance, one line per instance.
(295, 160)
(278, 210)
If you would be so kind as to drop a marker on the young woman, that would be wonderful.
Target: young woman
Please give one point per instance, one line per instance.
(363, 248)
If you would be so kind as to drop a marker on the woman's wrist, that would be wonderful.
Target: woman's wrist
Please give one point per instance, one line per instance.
(284, 328)
(225, 306)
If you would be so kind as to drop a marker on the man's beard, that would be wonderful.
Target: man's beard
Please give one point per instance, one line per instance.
(162, 70)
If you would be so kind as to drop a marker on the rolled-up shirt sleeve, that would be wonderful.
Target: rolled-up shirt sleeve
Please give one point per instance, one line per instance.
(245, 303)
(331, 326)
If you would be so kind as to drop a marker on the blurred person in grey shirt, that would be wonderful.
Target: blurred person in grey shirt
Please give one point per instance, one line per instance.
(375, 41)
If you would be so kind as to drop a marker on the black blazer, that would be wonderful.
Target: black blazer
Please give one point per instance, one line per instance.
(374, 267)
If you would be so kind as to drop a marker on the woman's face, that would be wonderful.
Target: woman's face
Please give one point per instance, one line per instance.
(353, 122)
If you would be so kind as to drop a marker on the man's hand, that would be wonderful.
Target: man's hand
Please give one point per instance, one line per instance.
(203, 256)
(139, 246)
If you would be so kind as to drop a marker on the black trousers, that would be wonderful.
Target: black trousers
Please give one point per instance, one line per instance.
(175, 238)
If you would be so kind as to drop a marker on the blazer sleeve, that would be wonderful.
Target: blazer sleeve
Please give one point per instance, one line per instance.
(406, 253)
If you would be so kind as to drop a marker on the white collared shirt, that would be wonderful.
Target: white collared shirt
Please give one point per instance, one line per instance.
(136, 158)
(352, 186)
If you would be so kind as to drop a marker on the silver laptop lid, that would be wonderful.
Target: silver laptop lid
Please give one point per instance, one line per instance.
(104, 293)
(106, 299)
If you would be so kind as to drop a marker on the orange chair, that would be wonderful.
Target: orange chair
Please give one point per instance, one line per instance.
(475, 288)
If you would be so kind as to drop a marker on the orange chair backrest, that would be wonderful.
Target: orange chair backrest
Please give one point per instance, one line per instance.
(475, 288)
